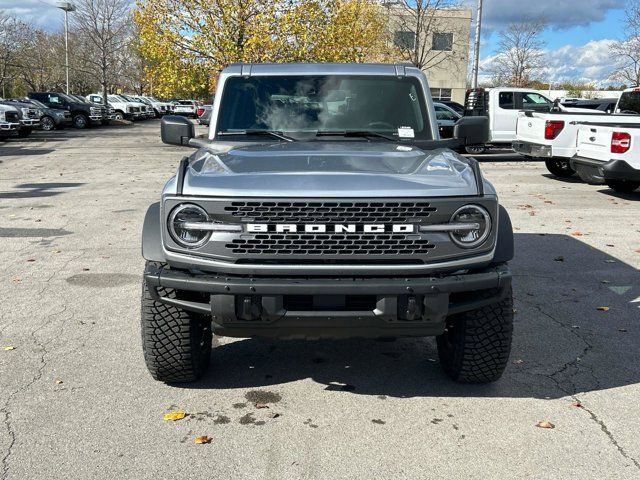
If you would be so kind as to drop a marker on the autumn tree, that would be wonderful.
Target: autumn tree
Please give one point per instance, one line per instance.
(520, 54)
(14, 35)
(627, 51)
(184, 40)
(422, 35)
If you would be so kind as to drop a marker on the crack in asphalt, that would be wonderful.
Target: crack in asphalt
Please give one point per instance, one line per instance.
(577, 365)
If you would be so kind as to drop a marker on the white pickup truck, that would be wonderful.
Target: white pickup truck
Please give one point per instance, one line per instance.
(609, 153)
(552, 136)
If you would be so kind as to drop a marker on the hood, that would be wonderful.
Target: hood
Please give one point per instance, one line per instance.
(329, 169)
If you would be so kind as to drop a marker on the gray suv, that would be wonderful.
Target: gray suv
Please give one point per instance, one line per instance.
(323, 204)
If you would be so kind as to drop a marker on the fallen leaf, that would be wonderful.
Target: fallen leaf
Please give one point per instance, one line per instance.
(174, 416)
(58, 382)
(57, 251)
(31, 260)
(16, 280)
(610, 245)
(274, 415)
(532, 213)
(85, 269)
(518, 361)
(577, 234)
(558, 259)
(261, 405)
(202, 439)
(545, 424)
(603, 309)
(637, 250)
(6, 349)
(576, 405)
(549, 202)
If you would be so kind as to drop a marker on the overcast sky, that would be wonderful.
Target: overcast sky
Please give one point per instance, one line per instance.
(578, 38)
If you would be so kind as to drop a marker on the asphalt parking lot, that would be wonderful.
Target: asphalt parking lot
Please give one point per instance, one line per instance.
(77, 402)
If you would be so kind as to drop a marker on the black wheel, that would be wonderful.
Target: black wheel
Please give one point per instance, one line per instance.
(24, 132)
(622, 186)
(80, 120)
(475, 150)
(476, 345)
(47, 123)
(560, 168)
(119, 116)
(176, 343)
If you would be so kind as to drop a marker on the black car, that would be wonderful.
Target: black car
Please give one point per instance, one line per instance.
(453, 105)
(83, 115)
(53, 118)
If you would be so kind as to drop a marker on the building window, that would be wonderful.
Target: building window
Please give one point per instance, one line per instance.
(441, 94)
(442, 42)
(404, 39)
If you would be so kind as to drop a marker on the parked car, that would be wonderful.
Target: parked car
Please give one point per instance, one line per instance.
(447, 118)
(83, 114)
(349, 218)
(122, 109)
(29, 116)
(609, 153)
(553, 136)
(52, 118)
(187, 108)
(204, 114)
(502, 106)
(160, 108)
(146, 111)
(105, 111)
(459, 109)
(9, 120)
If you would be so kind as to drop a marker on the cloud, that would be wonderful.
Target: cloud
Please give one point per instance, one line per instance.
(589, 63)
(558, 14)
(42, 13)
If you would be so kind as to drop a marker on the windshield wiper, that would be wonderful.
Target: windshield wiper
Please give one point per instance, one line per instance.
(354, 133)
(272, 133)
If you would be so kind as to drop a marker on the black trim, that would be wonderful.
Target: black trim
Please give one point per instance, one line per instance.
(620, 170)
(475, 166)
(182, 172)
(152, 235)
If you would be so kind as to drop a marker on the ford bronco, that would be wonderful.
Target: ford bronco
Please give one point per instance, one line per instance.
(323, 204)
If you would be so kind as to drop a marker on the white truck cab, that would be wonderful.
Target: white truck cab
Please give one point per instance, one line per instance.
(9, 120)
(124, 109)
(502, 106)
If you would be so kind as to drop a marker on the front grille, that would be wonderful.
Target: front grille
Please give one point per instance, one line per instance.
(330, 212)
(11, 117)
(331, 244)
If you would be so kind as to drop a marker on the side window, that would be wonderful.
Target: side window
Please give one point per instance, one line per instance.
(54, 98)
(443, 113)
(95, 99)
(505, 101)
(532, 99)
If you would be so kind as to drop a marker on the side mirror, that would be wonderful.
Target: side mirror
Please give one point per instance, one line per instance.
(176, 130)
(472, 131)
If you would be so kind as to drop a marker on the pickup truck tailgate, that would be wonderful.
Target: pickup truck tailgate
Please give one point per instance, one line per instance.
(594, 142)
(531, 129)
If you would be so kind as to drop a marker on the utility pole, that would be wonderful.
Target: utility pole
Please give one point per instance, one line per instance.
(67, 7)
(476, 47)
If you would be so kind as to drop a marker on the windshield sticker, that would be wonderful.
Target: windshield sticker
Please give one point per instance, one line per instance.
(405, 132)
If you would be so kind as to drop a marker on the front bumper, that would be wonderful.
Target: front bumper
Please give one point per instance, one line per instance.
(611, 170)
(398, 306)
(532, 149)
(9, 127)
(30, 123)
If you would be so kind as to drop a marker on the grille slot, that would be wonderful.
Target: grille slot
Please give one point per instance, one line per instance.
(11, 117)
(330, 212)
(330, 244)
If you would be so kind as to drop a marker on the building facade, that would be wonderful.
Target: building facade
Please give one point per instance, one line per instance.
(436, 40)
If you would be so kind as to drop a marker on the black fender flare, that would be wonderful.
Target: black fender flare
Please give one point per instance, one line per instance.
(505, 244)
(152, 235)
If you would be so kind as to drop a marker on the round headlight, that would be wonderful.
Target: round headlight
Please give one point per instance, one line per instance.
(188, 237)
(471, 215)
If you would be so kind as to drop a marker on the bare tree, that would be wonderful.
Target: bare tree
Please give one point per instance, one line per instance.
(627, 51)
(422, 32)
(104, 25)
(520, 53)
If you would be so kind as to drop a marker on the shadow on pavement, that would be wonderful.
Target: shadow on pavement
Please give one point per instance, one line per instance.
(562, 343)
(35, 190)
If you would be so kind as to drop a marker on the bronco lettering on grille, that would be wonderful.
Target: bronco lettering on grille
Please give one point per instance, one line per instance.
(329, 228)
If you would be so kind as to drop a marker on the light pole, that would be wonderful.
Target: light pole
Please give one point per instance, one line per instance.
(476, 47)
(67, 7)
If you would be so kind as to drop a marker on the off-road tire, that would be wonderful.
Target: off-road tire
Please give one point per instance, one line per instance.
(476, 346)
(623, 186)
(560, 168)
(176, 343)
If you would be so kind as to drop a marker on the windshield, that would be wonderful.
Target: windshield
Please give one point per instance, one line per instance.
(629, 102)
(384, 104)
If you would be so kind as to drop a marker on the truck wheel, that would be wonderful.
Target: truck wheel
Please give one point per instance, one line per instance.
(476, 346)
(623, 186)
(176, 343)
(560, 168)
(80, 121)
(475, 150)
(47, 123)
(119, 116)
